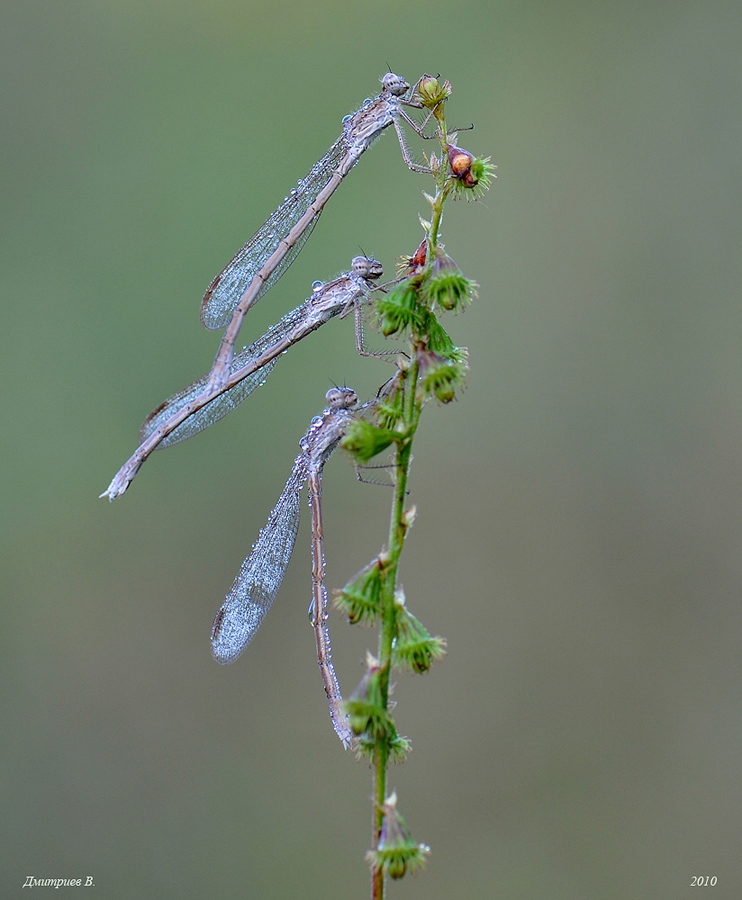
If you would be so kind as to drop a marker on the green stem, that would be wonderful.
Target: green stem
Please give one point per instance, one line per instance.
(411, 408)
(435, 223)
(387, 628)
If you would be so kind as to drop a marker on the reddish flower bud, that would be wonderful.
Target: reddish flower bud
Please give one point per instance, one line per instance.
(461, 163)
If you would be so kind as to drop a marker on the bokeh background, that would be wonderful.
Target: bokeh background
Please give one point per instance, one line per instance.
(579, 539)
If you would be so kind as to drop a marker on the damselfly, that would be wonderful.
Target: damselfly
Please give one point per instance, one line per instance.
(260, 577)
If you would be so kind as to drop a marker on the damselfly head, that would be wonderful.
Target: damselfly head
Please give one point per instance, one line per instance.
(394, 84)
(341, 398)
(366, 267)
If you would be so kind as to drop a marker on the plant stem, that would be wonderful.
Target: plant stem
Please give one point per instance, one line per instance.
(397, 529)
(434, 368)
(387, 630)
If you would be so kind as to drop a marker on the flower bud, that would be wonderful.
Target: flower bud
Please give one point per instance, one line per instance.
(412, 266)
(365, 706)
(431, 92)
(446, 287)
(441, 375)
(409, 516)
(360, 599)
(397, 851)
(461, 166)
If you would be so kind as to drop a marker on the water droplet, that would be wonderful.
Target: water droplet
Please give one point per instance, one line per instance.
(293, 192)
(317, 286)
(346, 119)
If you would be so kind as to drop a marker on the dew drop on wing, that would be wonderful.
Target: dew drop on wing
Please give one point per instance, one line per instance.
(231, 634)
(317, 286)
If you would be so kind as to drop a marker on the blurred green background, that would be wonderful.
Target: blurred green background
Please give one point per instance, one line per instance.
(579, 539)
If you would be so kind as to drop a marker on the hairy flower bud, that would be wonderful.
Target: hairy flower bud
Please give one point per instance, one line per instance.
(446, 287)
(440, 376)
(397, 851)
(431, 92)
